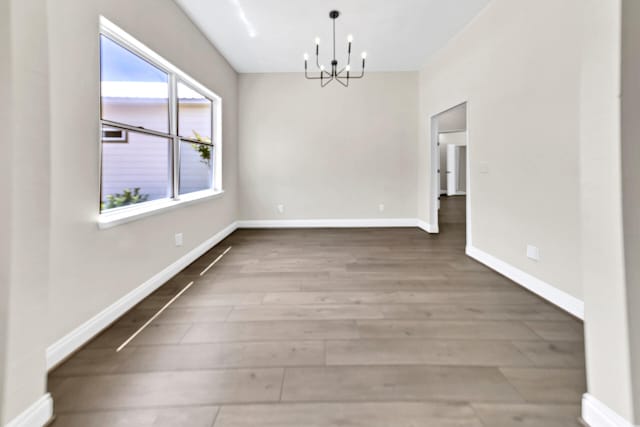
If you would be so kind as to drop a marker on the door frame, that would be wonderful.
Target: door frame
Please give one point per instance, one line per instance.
(435, 175)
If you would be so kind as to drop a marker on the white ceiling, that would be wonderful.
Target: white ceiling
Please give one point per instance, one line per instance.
(271, 35)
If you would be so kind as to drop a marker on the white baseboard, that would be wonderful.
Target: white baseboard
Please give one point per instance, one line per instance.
(597, 414)
(429, 228)
(71, 342)
(552, 294)
(328, 223)
(36, 415)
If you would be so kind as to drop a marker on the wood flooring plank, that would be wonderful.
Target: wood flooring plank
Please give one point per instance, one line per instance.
(370, 414)
(548, 385)
(358, 383)
(154, 334)
(225, 355)
(425, 352)
(305, 312)
(553, 353)
(196, 416)
(159, 389)
(271, 331)
(173, 315)
(401, 297)
(470, 312)
(528, 415)
(453, 329)
(557, 331)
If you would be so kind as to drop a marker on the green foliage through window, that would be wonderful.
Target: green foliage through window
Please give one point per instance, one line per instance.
(203, 150)
(128, 197)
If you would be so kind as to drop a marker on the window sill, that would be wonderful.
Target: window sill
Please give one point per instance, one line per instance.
(112, 219)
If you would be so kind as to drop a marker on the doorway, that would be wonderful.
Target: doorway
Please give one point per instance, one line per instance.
(450, 169)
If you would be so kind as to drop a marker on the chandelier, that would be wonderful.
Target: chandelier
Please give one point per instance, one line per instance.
(343, 75)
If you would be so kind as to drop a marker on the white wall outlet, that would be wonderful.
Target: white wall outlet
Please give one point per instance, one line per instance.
(281, 208)
(533, 252)
(381, 207)
(483, 167)
(179, 240)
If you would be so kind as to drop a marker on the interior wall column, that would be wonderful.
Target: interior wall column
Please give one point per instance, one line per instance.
(26, 322)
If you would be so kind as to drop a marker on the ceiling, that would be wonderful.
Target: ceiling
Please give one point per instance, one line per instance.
(259, 36)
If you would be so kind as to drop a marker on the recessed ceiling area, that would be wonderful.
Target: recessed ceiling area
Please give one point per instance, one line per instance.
(261, 36)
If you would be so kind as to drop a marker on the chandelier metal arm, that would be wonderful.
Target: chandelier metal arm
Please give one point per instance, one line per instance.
(324, 83)
(343, 83)
(308, 77)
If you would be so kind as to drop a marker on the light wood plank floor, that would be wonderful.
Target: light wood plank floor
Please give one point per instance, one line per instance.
(318, 328)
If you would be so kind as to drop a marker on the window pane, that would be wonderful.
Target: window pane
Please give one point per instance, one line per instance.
(133, 91)
(196, 167)
(136, 171)
(194, 114)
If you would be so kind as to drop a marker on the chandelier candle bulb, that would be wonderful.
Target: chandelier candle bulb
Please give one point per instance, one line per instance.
(350, 38)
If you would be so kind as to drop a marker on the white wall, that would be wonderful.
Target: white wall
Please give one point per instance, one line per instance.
(28, 198)
(331, 153)
(523, 105)
(90, 268)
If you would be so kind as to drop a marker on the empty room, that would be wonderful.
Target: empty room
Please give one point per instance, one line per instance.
(295, 213)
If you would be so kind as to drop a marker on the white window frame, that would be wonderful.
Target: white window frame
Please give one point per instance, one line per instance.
(124, 214)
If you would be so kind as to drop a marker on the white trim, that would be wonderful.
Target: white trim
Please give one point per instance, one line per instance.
(36, 415)
(133, 213)
(429, 228)
(329, 223)
(597, 414)
(64, 347)
(549, 292)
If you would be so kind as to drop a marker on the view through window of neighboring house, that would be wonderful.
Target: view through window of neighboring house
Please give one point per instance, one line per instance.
(151, 120)
(196, 151)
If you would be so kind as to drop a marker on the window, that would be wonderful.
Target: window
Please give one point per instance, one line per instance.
(160, 142)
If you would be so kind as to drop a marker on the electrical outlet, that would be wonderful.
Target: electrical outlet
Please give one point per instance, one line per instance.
(179, 240)
(381, 207)
(281, 208)
(533, 252)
